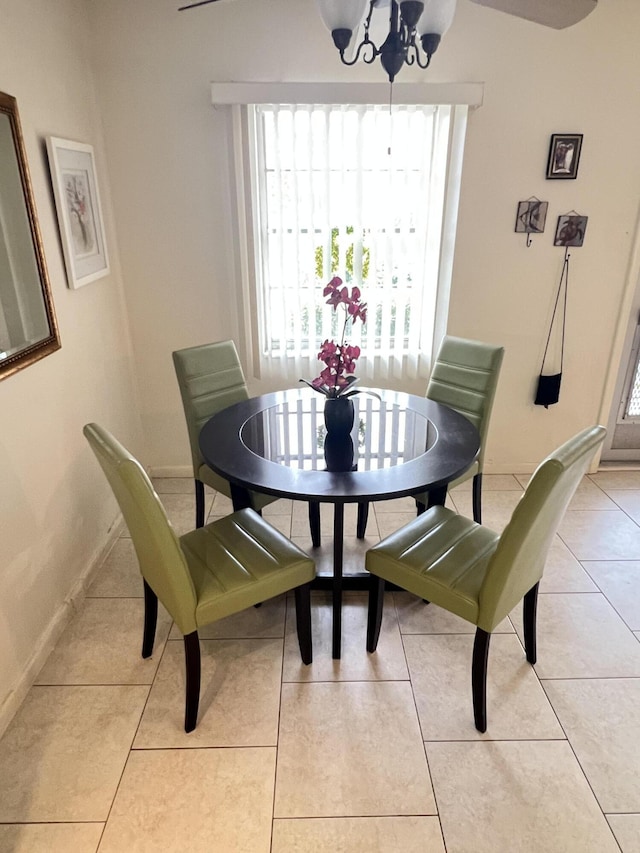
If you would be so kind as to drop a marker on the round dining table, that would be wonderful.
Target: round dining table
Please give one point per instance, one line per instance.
(400, 445)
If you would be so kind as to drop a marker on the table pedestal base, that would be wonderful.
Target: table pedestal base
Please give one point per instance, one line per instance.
(352, 582)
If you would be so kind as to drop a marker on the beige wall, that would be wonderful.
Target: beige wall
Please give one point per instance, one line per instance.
(164, 170)
(169, 160)
(55, 508)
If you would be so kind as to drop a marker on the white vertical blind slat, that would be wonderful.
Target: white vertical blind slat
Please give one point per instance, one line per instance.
(324, 126)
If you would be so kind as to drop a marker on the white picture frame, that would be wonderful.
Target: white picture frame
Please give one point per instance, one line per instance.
(75, 189)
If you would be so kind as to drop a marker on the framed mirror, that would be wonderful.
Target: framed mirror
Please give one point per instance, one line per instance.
(28, 328)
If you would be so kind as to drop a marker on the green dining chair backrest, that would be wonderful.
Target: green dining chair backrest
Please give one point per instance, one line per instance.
(465, 377)
(160, 556)
(210, 378)
(518, 561)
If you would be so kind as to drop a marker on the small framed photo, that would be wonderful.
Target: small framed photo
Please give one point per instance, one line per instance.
(564, 156)
(531, 216)
(75, 189)
(570, 230)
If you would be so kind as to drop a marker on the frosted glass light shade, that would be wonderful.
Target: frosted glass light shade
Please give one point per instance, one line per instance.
(342, 14)
(437, 17)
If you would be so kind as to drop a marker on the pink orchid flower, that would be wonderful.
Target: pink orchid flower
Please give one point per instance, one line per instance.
(340, 359)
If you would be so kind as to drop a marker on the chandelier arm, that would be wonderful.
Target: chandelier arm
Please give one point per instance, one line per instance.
(362, 47)
(421, 63)
(413, 54)
(364, 44)
(367, 22)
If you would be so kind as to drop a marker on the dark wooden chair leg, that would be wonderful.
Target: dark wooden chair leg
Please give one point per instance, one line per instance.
(303, 621)
(199, 503)
(314, 523)
(479, 678)
(477, 498)
(192, 667)
(363, 515)
(150, 620)
(376, 607)
(529, 610)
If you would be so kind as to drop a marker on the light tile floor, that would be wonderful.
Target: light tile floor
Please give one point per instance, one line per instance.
(370, 753)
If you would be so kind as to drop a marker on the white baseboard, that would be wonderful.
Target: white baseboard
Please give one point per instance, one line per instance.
(172, 471)
(618, 465)
(52, 632)
(523, 468)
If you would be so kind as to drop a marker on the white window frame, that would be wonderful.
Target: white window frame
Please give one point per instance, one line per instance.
(461, 96)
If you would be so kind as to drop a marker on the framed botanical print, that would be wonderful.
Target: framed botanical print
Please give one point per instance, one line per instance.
(75, 189)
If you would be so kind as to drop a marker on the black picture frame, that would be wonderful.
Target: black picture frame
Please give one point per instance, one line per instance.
(570, 230)
(564, 156)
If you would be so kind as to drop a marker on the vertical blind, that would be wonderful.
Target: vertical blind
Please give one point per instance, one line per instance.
(356, 191)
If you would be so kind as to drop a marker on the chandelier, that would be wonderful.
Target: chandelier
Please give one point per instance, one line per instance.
(410, 22)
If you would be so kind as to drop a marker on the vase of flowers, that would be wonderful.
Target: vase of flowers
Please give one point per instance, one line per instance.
(337, 378)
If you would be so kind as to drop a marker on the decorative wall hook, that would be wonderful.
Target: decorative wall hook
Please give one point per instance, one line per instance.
(531, 217)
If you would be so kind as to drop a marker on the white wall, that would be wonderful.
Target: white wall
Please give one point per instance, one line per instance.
(584, 79)
(55, 506)
(164, 170)
(169, 158)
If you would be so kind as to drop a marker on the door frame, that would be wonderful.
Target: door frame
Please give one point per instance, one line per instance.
(626, 325)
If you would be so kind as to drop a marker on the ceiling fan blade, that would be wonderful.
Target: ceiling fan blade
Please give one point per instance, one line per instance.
(551, 13)
(199, 3)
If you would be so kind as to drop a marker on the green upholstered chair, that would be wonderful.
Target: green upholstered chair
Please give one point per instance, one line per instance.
(207, 574)
(210, 379)
(465, 377)
(473, 572)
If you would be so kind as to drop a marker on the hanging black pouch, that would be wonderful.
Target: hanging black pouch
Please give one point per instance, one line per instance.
(548, 389)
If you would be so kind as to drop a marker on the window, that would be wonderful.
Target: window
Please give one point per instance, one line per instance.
(355, 190)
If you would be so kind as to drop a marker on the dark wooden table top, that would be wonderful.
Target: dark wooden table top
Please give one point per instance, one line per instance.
(402, 445)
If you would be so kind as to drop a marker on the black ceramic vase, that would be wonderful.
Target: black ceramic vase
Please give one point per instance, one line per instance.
(338, 452)
(338, 415)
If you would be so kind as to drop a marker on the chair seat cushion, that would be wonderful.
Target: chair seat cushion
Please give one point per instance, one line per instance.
(238, 561)
(210, 478)
(440, 556)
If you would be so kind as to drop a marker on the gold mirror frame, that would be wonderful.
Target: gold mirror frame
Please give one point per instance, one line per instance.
(28, 327)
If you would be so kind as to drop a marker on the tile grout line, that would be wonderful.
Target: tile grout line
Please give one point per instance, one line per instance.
(613, 606)
(282, 682)
(579, 763)
(366, 680)
(424, 743)
(130, 750)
